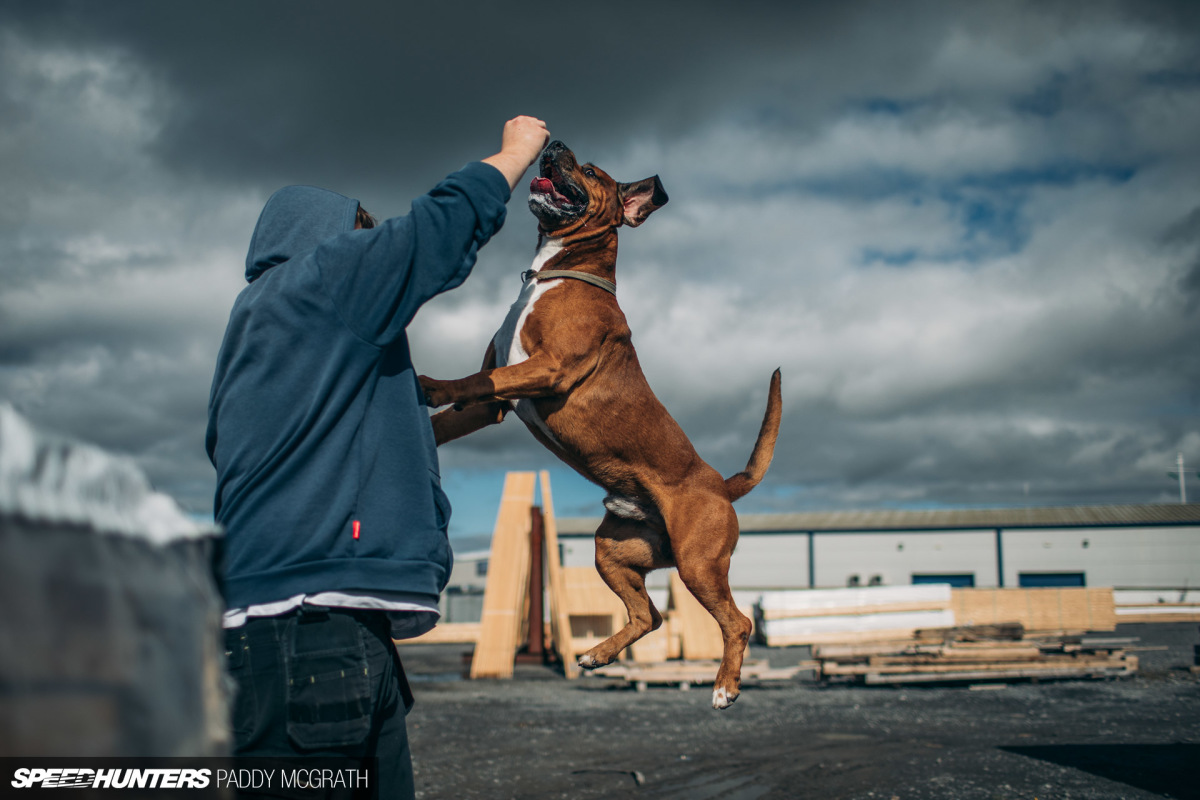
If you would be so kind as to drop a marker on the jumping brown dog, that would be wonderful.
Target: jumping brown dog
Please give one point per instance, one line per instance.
(564, 360)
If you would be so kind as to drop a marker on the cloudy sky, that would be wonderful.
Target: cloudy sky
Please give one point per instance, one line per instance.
(968, 233)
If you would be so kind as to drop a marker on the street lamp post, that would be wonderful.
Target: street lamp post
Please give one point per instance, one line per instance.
(1180, 475)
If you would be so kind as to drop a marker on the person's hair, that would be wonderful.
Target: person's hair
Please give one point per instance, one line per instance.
(365, 220)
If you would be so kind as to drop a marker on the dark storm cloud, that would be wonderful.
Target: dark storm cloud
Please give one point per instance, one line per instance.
(967, 232)
(386, 91)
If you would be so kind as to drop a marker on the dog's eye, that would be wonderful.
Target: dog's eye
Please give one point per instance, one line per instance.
(591, 173)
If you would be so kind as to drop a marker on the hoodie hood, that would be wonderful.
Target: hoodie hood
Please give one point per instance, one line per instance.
(295, 220)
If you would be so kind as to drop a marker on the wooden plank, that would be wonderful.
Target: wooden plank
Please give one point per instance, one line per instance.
(661, 645)
(699, 634)
(847, 652)
(594, 613)
(1099, 662)
(1005, 631)
(798, 613)
(976, 675)
(560, 614)
(841, 637)
(1096, 662)
(653, 647)
(783, 604)
(1102, 610)
(1108, 641)
(588, 594)
(447, 633)
(1047, 608)
(950, 655)
(507, 586)
(1122, 616)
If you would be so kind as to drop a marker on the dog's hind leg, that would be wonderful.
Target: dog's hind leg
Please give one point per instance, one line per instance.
(702, 553)
(625, 551)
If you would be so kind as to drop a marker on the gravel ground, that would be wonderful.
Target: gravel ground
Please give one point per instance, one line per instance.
(540, 736)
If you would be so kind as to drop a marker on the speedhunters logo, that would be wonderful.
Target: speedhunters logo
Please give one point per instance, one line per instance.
(84, 778)
(185, 778)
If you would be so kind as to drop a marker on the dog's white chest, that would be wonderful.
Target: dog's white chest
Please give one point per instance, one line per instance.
(507, 341)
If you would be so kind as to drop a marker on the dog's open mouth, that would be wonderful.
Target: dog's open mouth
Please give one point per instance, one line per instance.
(554, 189)
(545, 186)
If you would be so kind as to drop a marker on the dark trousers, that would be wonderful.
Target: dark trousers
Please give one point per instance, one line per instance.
(323, 683)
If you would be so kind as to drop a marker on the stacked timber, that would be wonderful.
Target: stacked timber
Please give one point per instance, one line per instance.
(975, 655)
(1157, 605)
(889, 613)
(816, 616)
(1043, 609)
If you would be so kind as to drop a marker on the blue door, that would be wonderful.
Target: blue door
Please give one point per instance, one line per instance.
(957, 580)
(1039, 580)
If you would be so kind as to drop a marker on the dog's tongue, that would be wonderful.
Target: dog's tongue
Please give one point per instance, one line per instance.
(541, 184)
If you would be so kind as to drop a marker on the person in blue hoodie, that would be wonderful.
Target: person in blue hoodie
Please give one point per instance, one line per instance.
(327, 472)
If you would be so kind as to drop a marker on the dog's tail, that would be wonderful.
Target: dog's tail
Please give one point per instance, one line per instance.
(739, 485)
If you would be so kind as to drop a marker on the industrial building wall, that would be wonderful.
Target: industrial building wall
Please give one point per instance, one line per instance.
(894, 558)
(1151, 557)
(767, 561)
(1124, 557)
(770, 561)
(577, 551)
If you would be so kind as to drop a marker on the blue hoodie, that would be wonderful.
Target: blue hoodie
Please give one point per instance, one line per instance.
(327, 471)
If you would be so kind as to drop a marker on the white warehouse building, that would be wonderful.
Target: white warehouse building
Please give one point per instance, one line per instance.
(1122, 546)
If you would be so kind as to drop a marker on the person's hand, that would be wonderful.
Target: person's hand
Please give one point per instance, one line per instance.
(524, 138)
(522, 142)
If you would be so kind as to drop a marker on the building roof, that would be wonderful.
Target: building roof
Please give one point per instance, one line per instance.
(947, 519)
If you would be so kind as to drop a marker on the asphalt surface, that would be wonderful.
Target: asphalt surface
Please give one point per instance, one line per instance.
(541, 736)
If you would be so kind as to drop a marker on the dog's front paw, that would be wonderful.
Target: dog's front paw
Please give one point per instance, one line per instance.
(435, 391)
(589, 661)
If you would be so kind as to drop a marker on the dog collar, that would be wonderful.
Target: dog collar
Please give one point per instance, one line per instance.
(547, 274)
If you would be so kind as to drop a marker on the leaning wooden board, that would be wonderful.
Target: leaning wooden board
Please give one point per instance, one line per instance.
(507, 587)
(556, 586)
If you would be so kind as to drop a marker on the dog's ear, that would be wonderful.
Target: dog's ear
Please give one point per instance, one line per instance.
(640, 199)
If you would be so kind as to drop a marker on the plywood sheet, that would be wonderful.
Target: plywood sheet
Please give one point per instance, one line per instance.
(556, 587)
(507, 587)
(1042, 609)
(594, 612)
(447, 633)
(699, 634)
(660, 645)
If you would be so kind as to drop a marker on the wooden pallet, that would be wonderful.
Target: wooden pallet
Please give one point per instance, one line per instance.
(685, 674)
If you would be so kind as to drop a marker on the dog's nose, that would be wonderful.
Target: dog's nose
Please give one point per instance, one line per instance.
(554, 147)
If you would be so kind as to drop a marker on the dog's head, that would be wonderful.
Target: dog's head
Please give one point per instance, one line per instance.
(567, 196)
